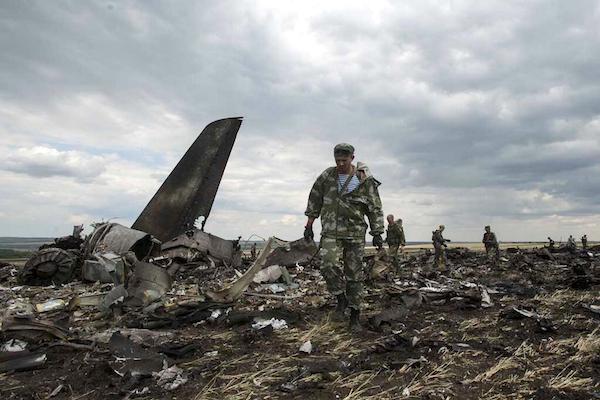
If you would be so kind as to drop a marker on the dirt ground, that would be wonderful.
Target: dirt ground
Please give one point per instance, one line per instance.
(438, 337)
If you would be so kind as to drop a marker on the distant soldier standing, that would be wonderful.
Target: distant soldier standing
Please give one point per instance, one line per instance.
(584, 242)
(491, 244)
(342, 196)
(253, 251)
(439, 245)
(395, 236)
(550, 243)
(571, 245)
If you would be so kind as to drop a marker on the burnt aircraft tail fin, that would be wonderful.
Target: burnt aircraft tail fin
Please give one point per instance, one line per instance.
(190, 189)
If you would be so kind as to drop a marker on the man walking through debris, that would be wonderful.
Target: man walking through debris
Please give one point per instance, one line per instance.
(550, 243)
(584, 242)
(439, 245)
(395, 236)
(571, 245)
(342, 196)
(491, 244)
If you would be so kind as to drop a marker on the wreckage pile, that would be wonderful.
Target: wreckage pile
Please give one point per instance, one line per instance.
(123, 315)
(164, 310)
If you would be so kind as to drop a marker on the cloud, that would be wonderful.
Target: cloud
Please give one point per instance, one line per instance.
(469, 113)
(43, 162)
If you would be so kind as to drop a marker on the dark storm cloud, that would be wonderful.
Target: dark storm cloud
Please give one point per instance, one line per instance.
(438, 97)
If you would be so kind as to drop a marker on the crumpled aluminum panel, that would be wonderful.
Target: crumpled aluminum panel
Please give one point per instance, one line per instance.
(190, 189)
(116, 238)
(188, 244)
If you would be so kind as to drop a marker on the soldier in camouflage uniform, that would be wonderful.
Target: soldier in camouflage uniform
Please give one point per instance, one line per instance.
(439, 246)
(342, 196)
(571, 245)
(491, 244)
(584, 242)
(395, 236)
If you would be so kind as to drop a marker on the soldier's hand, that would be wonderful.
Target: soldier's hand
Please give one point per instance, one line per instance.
(308, 233)
(377, 241)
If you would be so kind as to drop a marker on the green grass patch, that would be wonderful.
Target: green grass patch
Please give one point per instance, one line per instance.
(11, 254)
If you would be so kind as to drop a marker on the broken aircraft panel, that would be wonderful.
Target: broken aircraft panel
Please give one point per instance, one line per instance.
(190, 189)
(298, 251)
(194, 243)
(116, 238)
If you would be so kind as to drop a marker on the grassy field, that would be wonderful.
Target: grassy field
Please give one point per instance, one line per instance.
(14, 254)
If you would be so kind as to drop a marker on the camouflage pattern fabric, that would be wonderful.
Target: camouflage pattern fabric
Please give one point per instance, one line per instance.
(350, 279)
(393, 250)
(491, 245)
(437, 238)
(395, 234)
(440, 256)
(343, 215)
(438, 246)
(490, 239)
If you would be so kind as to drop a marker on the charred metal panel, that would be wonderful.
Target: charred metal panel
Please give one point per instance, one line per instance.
(190, 189)
(113, 237)
(195, 242)
(298, 251)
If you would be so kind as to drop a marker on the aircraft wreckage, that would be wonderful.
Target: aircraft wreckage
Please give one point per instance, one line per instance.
(162, 310)
(141, 260)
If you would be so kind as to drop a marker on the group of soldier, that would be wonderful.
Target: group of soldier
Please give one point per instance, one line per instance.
(342, 196)
(571, 244)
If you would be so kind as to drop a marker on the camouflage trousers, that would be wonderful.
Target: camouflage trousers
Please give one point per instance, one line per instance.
(492, 252)
(349, 279)
(393, 250)
(439, 256)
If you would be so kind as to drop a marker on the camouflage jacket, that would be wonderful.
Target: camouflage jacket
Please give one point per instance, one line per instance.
(437, 238)
(489, 239)
(395, 234)
(343, 215)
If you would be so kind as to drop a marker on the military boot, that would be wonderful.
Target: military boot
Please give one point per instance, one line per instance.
(340, 308)
(355, 321)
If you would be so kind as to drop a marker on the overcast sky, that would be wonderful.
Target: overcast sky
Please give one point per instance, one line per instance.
(468, 112)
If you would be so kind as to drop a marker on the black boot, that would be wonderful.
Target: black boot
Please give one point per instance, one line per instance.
(340, 308)
(355, 320)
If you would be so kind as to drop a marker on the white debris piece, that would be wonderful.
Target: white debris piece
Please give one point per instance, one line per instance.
(215, 314)
(593, 308)
(276, 288)
(14, 345)
(277, 324)
(486, 300)
(170, 378)
(306, 347)
(50, 305)
(269, 274)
